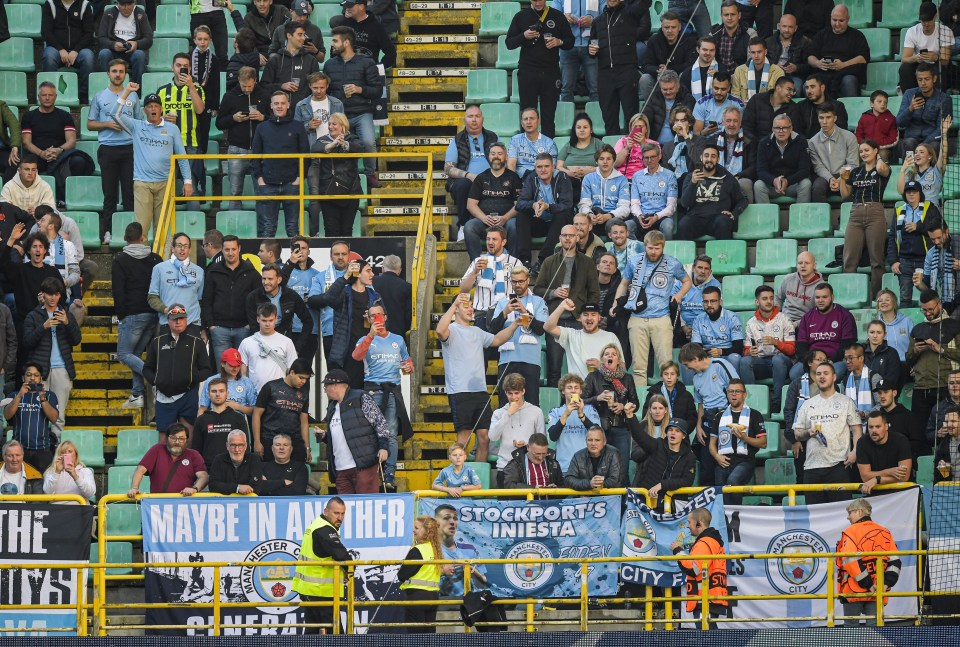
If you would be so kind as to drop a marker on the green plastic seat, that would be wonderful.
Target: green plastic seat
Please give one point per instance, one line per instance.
(192, 223)
(772, 450)
(596, 116)
(777, 416)
(501, 118)
(775, 256)
(855, 106)
(16, 55)
(851, 290)
(239, 223)
(487, 86)
(89, 224)
(881, 75)
(205, 205)
(564, 118)
(49, 179)
(13, 89)
(824, 250)
(729, 256)
(84, 193)
(684, 251)
(845, 208)
(173, 21)
(611, 139)
(738, 291)
(495, 18)
(896, 14)
(322, 13)
(744, 316)
(132, 444)
(96, 82)
(514, 88)
(120, 221)
(862, 317)
(925, 470)
(248, 190)
(878, 38)
(120, 477)
(123, 519)
(779, 471)
(483, 471)
(89, 444)
(549, 398)
(758, 397)
(24, 20)
(811, 220)
(892, 282)
(861, 13)
(90, 147)
(162, 51)
(67, 84)
(890, 193)
(118, 552)
(758, 221)
(152, 81)
(507, 59)
(85, 133)
(913, 314)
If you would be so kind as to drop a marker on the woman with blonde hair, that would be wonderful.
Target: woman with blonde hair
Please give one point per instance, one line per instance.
(421, 583)
(337, 176)
(609, 388)
(629, 147)
(68, 475)
(898, 325)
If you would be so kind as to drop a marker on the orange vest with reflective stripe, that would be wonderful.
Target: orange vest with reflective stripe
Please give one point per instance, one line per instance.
(861, 536)
(716, 571)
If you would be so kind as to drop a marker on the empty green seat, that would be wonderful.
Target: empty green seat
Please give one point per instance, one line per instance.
(495, 18)
(851, 290)
(925, 470)
(487, 86)
(483, 471)
(501, 118)
(85, 133)
(192, 223)
(239, 223)
(162, 52)
(778, 415)
(118, 552)
(772, 449)
(132, 444)
(881, 75)
(66, 82)
(738, 291)
(16, 55)
(878, 38)
(684, 251)
(896, 14)
(811, 220)
(824, 250)
(549, 398)
(90, 147)
(890, 193)
(758, 398)
(862, 317)
(89, 444)
(729, 256)
(120, 221)
(152, 81)
(322, 13)
(514, 87)
(861, 13)
(892, 282)
(779, 471)
(611, 139)
(123, 519)
(913, 314)
(855, 106)
(96, 82)
(775, 256)
(120, 477)
(13, 89)
(24, 20)
(173, 21)
(744, 316)
(564, 118)
(596, 116)
(84, 193)
(89, 224)
(758, 221)
(507, 59)
(845, 208)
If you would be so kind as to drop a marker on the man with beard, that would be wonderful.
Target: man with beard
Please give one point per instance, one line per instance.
(492, 200)
(899, 417)
(339, 262)
(932, 354)
(544, 207)
(691, 306)
(583, 346)
(828, 327)
(882, 455)
(764, 107)
(718, 330)
(737, 153)
(815, 90)
(489, 276)
(709, 110)
(522, 354)
(620, 245)
(189, 471)
(713, 200)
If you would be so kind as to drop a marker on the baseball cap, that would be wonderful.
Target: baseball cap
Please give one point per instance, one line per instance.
(884, 385)
(177, 311)
(679, 423)
(927, 11)
(336, 376)
(913, 185)
(152, 98)
(232, 357)
(350, 3)
(590, 307)
(302, 7)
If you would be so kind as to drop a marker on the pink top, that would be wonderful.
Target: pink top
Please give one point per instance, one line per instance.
(634, 161)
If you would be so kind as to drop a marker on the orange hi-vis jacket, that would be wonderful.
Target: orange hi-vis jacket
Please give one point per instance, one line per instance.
(857, 574)
(709, 542)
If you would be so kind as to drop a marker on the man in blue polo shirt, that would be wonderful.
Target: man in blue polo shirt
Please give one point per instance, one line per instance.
(653, 196)
(718, 330)
(651, 274)
(708, 111)
(524, 147)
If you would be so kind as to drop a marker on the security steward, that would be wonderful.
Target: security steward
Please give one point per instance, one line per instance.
(708, 542)
(857, 574)
(420, 583)
(315, 583)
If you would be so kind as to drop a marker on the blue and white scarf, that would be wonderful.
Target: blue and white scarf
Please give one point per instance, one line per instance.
(727, 442)
(803, 397)
(752, 88)
(859, 390)
(494, 276)
(57, 255)
(184, 278)
(734, 163)
(678, 159)
(669, 397)
(696, 85)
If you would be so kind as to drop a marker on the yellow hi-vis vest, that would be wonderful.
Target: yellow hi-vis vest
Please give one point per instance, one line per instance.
(315, 580)
(428, 577)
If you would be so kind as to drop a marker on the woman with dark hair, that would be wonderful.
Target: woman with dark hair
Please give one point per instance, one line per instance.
(577, 157)
(864, 186)
(25, 277)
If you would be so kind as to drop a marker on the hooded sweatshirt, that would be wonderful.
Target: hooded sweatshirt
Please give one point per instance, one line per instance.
(278, 135)
(507, 429)
(285, 67)
(27, 198)
(898, 333)
(610, 194)
(795, 296)
(132, 270)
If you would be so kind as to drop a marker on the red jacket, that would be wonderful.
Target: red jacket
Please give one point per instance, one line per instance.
(880, 128)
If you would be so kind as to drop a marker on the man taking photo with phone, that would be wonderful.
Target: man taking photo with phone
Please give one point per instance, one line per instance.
(30, 411)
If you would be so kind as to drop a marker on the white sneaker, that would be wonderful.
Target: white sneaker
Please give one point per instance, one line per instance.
(460, 235)
(107, 238)
(133, 403)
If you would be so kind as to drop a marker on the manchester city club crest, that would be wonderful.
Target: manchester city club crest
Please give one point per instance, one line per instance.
(270, 583)
(659, 280)
(794, 573)
(640, 538)
(532, 575)
(723, 437)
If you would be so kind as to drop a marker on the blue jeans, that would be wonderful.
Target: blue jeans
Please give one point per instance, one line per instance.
(268, 210)
(237, 170)
(778, 367)
(136, 60)
(222, 338)
(362, 127)
(571, 62)
(907, 267)
(133, 335)
(619, 437)
(641, 55)
(83, 65)
(738, 473)
(701, 19)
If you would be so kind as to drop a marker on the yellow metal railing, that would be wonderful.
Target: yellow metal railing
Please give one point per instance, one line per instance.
(165, 225)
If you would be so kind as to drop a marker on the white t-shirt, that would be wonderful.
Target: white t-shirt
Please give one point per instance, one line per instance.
(916, 39)
(126, 27)
(267, 358)
(342, 456)
(580, 347)
(835, 415)
(19, 480)
(321, 111)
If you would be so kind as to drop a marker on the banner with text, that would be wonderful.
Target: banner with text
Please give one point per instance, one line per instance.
(248, 529)
(584, 527)
(33, 533)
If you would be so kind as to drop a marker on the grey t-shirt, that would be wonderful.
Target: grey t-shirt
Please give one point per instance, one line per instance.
(464, 365)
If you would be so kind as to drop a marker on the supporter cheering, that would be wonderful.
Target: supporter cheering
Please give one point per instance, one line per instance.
(521, 354)
(596, 466)
(769, 345)
(567, 424)
(609, 388)
(582, 345)
(26, 277)
(668, 462)
(533, 466)
(513, 423)
(172, 467)
(284, 476)
(489, 276)
(926, 166)
(212, 427)
(31, 411)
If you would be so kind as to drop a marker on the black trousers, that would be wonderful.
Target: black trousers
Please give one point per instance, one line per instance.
(116, 170)
(424, 617)
(717, 225)
(217, 23)
(318, 615)
(460, 190)
(761, 14)
(924, 401)
(531, 375)
(833, 474)
(338, 217)
(541, 86)
(618, 89)
(528, 227)
(555, 353)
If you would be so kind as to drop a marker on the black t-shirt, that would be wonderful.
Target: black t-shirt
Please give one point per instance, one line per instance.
(282, 406)
(496, 194)
(361, 302)
(48, 128)
(885, 456)
(840, 47)
(755, 429)
(211, 429)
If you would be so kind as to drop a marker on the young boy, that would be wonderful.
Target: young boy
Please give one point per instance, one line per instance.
(245, 55)
(206, 74)
(879, 124)
(456, 477)
(567, 424)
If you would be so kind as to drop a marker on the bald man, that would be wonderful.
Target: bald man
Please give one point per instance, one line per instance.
(794, 297)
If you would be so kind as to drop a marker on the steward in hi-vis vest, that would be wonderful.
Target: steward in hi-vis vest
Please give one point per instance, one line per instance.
(317, 582)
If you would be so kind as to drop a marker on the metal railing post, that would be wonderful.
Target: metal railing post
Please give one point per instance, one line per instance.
(831, 593)
(303, 179)
(216, 600)
(584, 598)
(351, 598)
(704, 595)
(337, 592)
(881, 589)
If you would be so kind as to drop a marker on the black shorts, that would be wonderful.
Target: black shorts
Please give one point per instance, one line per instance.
(468, 408)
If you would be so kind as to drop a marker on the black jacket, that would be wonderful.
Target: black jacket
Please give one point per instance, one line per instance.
(238, 60)
(339, 297)
(225, 477)
(291, 305)
(225, 293)
(885, 362)
(131, 282)
(793, 164)
(594, 385)
(809, 123)
(284, 66)
(811, 15)
(515, 472)
(616, 31)
(660, 464)
(25, 280)
(211, 429)
(71, 29)
(338, 175)
(275, 474)
(656, 107)
(534, 53)
(5, 35)
(108, 20)
(240, 133)
(677, 57)
(610, 466)
(730, 197)
(373, 41)
(798, 52)
(395, 293)
(39, 340)
(759, 113)
(563, 201)
(263, 27)
(360, 71)
(278, 136)
(175, 369)
(684, 406)
(361, 436)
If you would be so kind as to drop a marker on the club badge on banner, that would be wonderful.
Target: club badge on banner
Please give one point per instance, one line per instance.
(248, 529)
(34, 533)
(586, 527)
(649, 534)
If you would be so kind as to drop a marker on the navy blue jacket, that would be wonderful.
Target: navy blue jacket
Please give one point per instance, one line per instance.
(278, 136)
